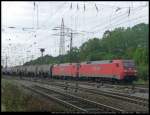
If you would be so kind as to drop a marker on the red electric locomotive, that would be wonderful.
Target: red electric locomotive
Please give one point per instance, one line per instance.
(116, 70)
(119, 70)
(64, 70)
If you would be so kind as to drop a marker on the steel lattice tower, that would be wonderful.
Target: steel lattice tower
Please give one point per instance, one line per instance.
(62, 39)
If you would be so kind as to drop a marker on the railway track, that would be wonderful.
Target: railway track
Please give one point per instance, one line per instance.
(121, 96)
(133, 88)
(136, 88)
(72, 101)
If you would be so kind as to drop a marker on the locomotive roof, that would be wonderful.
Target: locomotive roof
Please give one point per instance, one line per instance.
(128, 60)
(88, 62)
(97, 62)
(63, 64)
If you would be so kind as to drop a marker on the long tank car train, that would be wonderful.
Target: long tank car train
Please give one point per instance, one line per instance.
(112, 70)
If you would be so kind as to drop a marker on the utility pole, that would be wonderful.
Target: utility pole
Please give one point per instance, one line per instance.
(71, 36)
(6, 60)
(71, 43)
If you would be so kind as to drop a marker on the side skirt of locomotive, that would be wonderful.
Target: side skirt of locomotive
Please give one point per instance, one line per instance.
(108, 78)
(88, 78)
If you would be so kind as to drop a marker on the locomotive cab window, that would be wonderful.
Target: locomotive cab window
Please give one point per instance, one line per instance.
(129, 64)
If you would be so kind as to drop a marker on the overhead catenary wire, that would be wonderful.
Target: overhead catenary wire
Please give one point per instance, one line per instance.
(122, 14)
(114, 19)
(115, 6)
(117, 24)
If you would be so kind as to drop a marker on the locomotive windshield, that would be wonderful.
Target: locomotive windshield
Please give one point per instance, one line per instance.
(129, 63)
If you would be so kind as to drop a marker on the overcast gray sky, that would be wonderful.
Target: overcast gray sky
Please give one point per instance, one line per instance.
(93, 21)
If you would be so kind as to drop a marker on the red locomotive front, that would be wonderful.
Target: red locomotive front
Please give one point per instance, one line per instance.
(130, 72)
(125, 69)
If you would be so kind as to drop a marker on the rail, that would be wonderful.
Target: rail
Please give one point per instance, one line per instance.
(71, 101)
(125, 97)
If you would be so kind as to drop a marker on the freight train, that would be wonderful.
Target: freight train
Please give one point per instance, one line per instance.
(111, 70)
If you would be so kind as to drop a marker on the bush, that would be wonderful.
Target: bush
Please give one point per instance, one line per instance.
(143, 72)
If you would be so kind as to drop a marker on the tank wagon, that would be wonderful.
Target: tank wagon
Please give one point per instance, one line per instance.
(7, 71)
(43, 70)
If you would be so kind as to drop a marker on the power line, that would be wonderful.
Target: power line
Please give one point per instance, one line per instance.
(108, 25)
(120, 23)
(130, 20)
(116, 18)
(114, 6)
(116, 24)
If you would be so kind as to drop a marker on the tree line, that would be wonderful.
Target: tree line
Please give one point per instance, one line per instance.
(120, 43)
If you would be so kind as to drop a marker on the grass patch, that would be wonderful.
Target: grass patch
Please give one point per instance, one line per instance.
(141, 81)
(15, 99)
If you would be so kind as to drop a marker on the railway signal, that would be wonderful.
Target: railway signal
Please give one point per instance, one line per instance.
(42, 51)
